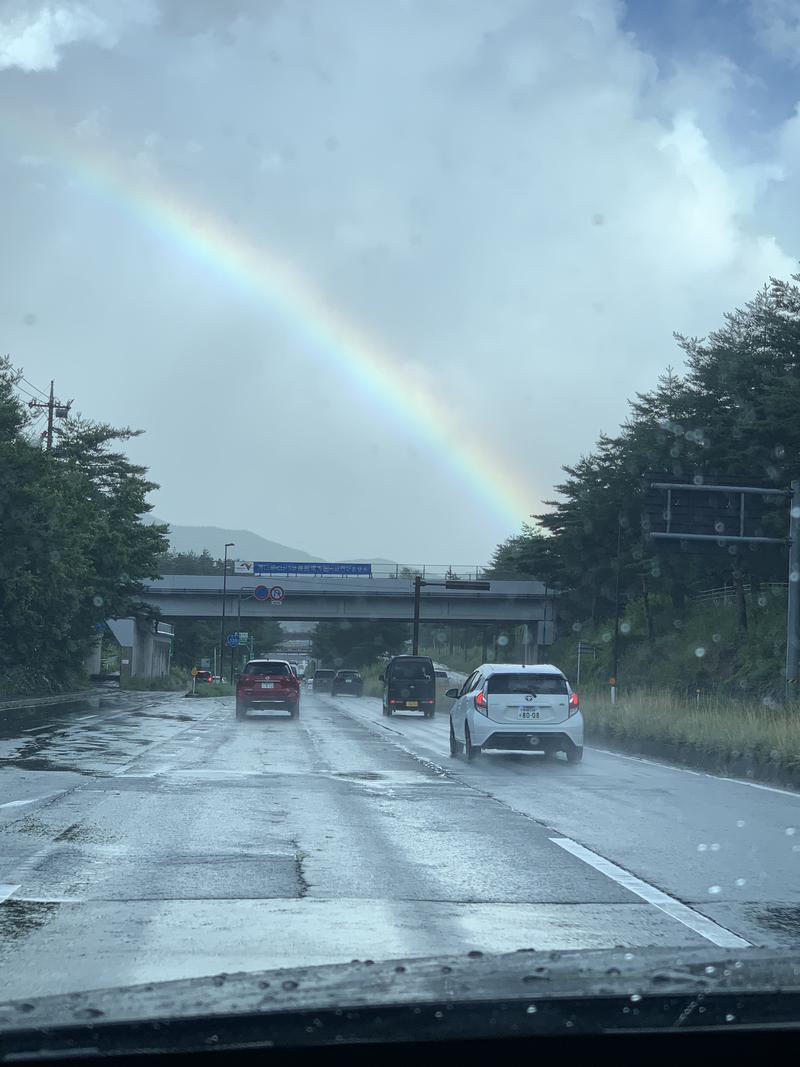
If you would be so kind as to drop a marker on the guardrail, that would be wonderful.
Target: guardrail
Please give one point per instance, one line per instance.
(726, 594)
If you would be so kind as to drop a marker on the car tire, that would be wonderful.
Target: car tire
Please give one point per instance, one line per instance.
(575, 754)
(294, 710)
(471, 752)
(241, 709)
(455, 746)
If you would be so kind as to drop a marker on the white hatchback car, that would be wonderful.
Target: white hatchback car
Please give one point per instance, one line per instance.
(507, 706)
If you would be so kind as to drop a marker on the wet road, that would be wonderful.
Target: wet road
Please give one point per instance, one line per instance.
(159, 838)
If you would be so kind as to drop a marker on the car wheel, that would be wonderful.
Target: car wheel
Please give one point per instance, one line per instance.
(294, 709)
(241, 709)
(455, 746)
(471, 751)
(575, 754)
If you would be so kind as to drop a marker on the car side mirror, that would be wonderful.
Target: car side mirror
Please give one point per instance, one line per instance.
(452, 693)
(381, 678)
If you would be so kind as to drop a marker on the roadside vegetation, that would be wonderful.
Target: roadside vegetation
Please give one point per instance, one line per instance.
(176, 680)
(74, 545)
(706, 678)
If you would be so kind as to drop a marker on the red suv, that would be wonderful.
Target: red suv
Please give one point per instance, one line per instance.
(267, 683)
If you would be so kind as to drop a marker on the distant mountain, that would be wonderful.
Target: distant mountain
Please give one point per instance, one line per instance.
(247, 545)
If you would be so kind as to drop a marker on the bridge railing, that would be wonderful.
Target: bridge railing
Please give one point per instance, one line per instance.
(432, 571)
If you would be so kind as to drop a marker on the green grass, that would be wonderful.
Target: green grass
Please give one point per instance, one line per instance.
(709, 731)
(176, 680)
(215, 689)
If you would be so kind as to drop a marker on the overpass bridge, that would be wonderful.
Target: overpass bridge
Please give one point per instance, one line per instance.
(510, 603)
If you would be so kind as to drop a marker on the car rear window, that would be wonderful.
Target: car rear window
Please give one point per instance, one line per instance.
(324, 674)
(538, 684)
(347, 674)
(408, 670)
(267, 667)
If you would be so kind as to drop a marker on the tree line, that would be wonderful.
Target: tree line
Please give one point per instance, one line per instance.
(74, 542)
(732, 411)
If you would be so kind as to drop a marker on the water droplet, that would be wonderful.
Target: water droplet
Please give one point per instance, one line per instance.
(502, 640)
(625, 627)
(716, 638)
(576, 626)
(635, 997)
(714, 889)
(699, 652)
(607, 636)
(729, 1018)
(97, 601)
(628, 956)
(702, 848)
(438, 1015)
(531, 1009)
(715, 847)
(710, 969)
(790, 831)
(740, 823)
(741, 881)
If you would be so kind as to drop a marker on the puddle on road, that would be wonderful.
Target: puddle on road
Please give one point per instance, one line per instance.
(362, 776)
(780, 918)
(21, 918)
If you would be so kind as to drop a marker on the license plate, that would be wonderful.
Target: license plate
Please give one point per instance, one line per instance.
(267, 685)
(348, 681)
(412, 703)
(527, 713)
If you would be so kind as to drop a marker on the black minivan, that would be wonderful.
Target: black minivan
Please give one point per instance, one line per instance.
(409, 684)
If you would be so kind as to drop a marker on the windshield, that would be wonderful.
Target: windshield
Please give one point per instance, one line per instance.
(542, 684)
(260, 667)
(454, 340)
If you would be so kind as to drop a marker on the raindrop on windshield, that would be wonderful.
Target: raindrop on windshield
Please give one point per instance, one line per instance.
(714, 889)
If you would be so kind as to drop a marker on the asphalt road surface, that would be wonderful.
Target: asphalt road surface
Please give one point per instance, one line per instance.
(159, 838)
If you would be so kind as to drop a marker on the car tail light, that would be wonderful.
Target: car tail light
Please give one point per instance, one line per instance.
(428, 701)
(574, 703)
(392, 700)
(482, 702)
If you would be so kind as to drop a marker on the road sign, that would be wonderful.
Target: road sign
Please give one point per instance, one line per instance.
(257, 567)
(232, 640)
(243, 638)
(276, 593)
(194, 672)
(243, 566)
(205, 664)
(261, 592)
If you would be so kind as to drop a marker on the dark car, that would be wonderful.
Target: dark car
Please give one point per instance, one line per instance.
(349, 682)
(409, 684)
(267, 684)
(323, 680)
(204, 676)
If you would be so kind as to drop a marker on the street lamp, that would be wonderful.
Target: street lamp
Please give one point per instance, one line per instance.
(229, 544)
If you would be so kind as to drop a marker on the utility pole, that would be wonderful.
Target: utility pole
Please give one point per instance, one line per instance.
(793, 610)
(415, 632)
(229, 544)
(615, 655)
(55, 410)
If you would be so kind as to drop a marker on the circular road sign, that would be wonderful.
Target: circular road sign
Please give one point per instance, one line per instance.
(276, 592)
(194, 672)
(232, 640)
(261, 592)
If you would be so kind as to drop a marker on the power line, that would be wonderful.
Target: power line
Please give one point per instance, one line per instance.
(55, 409)
(36, 387)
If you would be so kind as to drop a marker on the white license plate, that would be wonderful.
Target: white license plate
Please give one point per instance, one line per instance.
(348, 681)
(267, 685)
(527, 713)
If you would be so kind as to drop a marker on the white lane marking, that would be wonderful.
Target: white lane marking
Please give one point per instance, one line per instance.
(6, 891)
(702, 925)
(30, 800)
(757, 785)
(697, 774)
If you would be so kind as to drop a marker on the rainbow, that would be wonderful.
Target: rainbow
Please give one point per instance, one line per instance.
(290, 295)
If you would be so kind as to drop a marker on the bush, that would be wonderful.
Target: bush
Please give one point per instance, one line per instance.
(165, 683)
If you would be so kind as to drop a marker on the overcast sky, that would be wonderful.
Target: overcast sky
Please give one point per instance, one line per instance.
(518, 200)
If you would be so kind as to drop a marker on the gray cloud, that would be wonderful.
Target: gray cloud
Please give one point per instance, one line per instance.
(507, 196)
